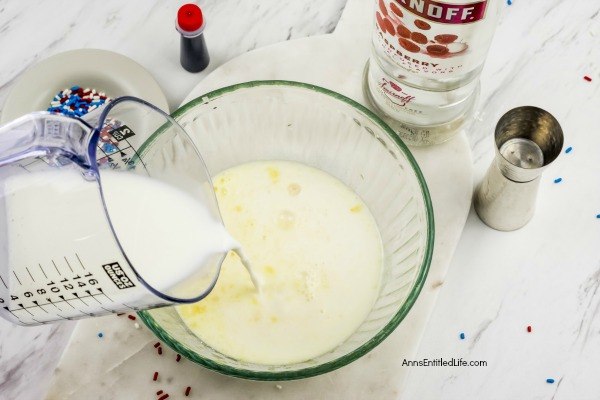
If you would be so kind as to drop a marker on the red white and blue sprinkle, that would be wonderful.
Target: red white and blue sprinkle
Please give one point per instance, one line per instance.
(462, 336)
(77, 101)
(550, 380)
(558, 180)
(568, 150)
(100, 335)
(587, 78)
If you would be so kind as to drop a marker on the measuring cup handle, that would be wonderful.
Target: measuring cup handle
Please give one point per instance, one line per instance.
(46, 134)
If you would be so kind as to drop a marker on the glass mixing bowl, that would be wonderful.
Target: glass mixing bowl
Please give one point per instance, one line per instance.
(280, 120)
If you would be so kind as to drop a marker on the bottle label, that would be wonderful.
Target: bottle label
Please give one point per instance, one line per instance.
(446, 13)
(434, 38)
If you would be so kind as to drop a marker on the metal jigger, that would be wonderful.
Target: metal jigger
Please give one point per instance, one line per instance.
(528, 139)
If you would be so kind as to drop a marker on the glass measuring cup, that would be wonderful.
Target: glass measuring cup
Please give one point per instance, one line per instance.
(72, 241)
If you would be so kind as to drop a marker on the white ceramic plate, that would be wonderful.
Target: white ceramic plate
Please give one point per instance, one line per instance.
(112, 73)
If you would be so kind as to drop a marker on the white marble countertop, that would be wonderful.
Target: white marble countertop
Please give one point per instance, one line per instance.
(546, 275)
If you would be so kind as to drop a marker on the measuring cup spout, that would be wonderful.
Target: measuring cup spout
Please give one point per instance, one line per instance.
(59, 138)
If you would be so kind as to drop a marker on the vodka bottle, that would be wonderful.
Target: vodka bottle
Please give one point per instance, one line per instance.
(423, 74)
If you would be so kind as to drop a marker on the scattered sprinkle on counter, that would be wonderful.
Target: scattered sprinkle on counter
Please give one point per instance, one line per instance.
(159, 351)
(159, 392)
(509, 2)
(550, 380)
(568, 150)
(529, 328)
(187, 391)
(100, 335)
(598, 216)
(462, 336)
(156, 345)
(131, 317)
(178, 358)
(77, 101)
(164, 396)
(155, 376)
(558, 180)
(136, 325)
(587, 78)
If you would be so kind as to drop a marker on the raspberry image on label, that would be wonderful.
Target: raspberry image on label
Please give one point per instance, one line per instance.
(403, 31)
(409, 46)
(396, 10)
(422, 25)
(445, 38)
(419, 38)
(382, 8)
(389, 27)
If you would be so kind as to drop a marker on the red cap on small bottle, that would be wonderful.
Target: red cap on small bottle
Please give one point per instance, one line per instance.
(189, 17)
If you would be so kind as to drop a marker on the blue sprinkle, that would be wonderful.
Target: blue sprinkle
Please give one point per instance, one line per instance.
(462, 336)
(568, 150)
(550, 380)
(558, 180)
(598, 216)
(509, 2)
(100, 334)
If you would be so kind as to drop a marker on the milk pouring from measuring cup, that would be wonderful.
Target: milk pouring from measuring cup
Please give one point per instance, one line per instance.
(107, 219)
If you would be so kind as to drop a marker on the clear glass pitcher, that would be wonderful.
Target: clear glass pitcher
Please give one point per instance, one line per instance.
(104, 214)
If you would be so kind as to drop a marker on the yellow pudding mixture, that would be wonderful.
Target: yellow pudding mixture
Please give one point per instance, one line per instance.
(317, 251)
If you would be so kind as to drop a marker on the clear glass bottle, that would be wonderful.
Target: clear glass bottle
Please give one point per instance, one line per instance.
(423, 74)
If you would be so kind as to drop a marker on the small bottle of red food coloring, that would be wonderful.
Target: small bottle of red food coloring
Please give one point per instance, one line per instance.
(190, 23)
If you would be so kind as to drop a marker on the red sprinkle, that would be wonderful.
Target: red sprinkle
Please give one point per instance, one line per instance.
(155, 377)
(131, 317)
(157, 344)
(159, 392)
(187, 391)
(587, 78)
(178, 358)
(529, 328)
(164, 396)
(159, 350)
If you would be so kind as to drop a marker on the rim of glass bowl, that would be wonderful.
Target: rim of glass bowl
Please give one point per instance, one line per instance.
(386, 330)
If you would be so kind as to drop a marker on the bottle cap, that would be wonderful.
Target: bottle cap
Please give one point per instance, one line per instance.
(189, 19)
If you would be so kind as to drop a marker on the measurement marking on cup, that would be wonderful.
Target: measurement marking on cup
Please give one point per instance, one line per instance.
(50, 302)
(66, 301)
(94, 297)
(29, 272)
(69, 265)
(37, 304)
(23, 308)
(56, 268)
(76, 295)
(18, 280)
(43, 272)
(102, 291)
(79, 259)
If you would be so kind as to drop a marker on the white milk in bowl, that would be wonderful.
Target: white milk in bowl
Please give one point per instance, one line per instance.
(317, 251)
